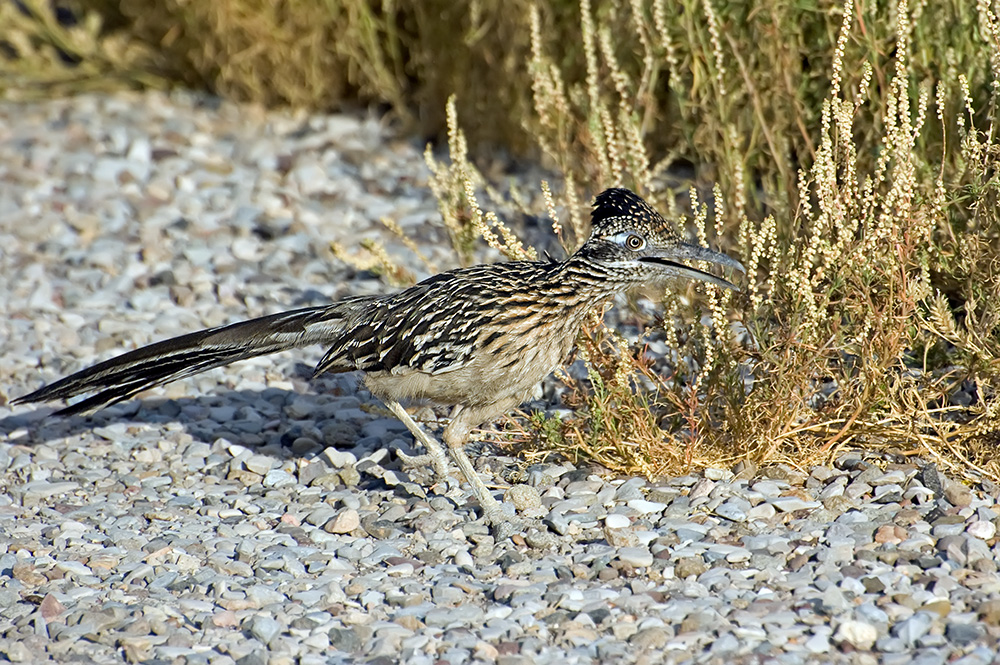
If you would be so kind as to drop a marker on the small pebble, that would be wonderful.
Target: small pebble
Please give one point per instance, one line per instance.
(982, 529)
(858, 634)
(345, 521)
(637, 557)
(621, 537)
(617, 521)
(524, 497)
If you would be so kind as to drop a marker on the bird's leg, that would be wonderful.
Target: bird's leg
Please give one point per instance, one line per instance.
(435, 453)
(455, 436)
(504, 525)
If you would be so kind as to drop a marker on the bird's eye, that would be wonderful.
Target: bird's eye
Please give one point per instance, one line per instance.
(634, 242)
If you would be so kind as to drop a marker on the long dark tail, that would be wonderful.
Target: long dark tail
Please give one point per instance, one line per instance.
(120, 378)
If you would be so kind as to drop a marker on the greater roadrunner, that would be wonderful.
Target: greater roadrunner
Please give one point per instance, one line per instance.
(478, 339)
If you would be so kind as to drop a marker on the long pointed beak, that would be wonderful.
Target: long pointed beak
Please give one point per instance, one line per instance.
(667, 261)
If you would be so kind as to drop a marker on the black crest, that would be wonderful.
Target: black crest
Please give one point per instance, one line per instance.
(617, 203)
(619, 209)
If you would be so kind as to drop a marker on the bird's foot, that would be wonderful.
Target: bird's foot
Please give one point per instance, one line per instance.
(535, 533)
(504, 524)
(436, 455)
(438, 462)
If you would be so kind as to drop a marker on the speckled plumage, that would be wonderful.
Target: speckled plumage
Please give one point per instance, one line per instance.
(477, 338)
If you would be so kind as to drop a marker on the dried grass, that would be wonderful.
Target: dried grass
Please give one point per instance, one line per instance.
(846, 300)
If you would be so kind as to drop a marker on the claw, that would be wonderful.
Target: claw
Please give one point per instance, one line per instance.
(536, 534)
(413, 461)
(439, 465)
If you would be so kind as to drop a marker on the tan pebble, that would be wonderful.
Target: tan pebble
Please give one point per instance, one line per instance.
(941, 607)
(524, 497)
(689, 566)
(890, 534)
(989, 612)
(344, 522)
(486, 651)
(225, 619)
(409, 621)
(27, 574)
(137, 648)
(958, 494)
(621, 537)
(248, 478)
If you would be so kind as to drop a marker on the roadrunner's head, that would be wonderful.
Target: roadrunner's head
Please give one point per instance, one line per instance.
(632, 243)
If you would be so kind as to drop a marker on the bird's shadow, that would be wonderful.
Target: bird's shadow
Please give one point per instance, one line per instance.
(257, 419)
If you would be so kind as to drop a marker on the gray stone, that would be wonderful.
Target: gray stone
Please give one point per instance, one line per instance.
(278, 478)
(264, 628)
(735, 509)
(912, 629)
(963, 634)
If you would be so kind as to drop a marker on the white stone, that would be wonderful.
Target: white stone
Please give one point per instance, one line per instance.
(645, 507)
(858, 634)
(616, 521)
(982, 529)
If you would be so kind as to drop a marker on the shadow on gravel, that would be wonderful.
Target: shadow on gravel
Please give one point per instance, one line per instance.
(278, 423)
(287, 422)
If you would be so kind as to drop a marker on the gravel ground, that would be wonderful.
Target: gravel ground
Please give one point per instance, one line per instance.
(254, 515)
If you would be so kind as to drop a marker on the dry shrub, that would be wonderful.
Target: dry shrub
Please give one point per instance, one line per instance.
(250, 50)
(868, 306)
(47, 49)
(409, 56)
(713, 84)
